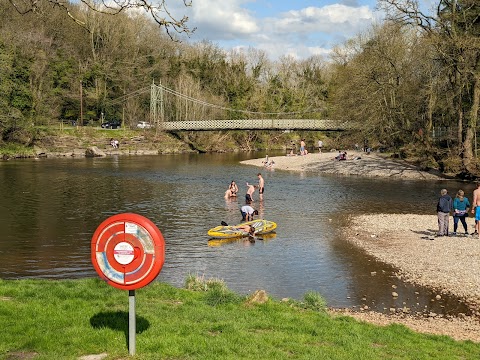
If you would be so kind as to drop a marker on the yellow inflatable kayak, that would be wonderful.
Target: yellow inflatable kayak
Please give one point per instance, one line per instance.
(229, 232)
(219, 242)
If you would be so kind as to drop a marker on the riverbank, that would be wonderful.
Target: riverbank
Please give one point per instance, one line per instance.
(357, 164)
(448, 265)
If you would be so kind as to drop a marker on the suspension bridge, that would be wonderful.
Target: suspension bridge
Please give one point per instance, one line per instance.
(171, 110)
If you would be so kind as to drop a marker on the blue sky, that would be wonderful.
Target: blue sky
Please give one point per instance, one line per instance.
(298, 28)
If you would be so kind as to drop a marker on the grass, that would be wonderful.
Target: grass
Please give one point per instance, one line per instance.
(66, 319)
(18, 150)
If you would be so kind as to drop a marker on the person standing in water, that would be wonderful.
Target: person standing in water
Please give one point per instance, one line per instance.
(248, 212)
(250, 190)
(232, 190)
(261, 185)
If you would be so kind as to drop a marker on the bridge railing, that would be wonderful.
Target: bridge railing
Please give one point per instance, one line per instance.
(252, 124)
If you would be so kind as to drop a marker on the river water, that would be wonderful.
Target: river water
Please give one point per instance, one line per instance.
(51, 208)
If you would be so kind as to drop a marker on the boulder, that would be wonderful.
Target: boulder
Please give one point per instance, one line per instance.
(94, 152)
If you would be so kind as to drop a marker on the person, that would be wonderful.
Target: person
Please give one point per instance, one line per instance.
(265, 162)
(232, 190)
(302, 147)
(476, 207)
(112, 142)
(342, 155)
(270, 164)
(247, 228)
(444, 206)
(461, 205)
(261, 184)
(117, 144)
(248, 212)
(320, 146)
(250, 190)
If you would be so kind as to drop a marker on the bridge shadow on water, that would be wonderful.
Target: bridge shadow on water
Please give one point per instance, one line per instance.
(118, 320)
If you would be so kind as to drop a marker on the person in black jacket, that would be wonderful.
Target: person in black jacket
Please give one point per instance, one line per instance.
(444, 206)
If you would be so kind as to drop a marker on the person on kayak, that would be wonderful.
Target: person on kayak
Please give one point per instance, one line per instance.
(247, 228)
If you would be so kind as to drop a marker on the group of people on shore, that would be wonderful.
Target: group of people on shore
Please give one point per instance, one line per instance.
(303, 148)
(460, 207)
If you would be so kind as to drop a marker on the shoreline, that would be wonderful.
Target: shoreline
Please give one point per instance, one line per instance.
(447, 265)
(372, 165)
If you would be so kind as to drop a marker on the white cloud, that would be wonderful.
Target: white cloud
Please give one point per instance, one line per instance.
(327, 20)
(299, 33)
(221, 20)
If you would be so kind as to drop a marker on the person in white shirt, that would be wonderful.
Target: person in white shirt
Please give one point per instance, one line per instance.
(248, 212)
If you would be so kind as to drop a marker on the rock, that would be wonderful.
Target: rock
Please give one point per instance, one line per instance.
(373, 273)
(94, 152)
(394, 294)
(93, 357)
(258, 297)
(438, 297)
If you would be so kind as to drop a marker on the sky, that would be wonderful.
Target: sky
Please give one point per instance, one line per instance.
(297, 28)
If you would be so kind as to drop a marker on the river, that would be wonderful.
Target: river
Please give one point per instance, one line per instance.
(51, 207)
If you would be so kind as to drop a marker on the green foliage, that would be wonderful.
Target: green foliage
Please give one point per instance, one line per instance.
(216, 291)
(314, 301)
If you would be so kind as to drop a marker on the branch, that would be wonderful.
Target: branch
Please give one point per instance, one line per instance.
(158, 11)
(407, 12)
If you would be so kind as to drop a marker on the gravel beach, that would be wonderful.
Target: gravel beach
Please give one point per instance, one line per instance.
(448, 265)
(372, 165)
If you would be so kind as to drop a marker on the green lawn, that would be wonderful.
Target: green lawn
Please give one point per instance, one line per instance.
(67, 319)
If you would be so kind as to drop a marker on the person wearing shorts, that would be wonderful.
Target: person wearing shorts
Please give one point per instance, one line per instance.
(261, 184)
(250, 191)
(477, 217)
(475, 207)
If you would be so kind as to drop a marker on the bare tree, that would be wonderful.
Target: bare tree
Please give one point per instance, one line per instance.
(455, 33)
(157, 9)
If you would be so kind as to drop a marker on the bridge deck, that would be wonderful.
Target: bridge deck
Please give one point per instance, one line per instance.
(251, 124)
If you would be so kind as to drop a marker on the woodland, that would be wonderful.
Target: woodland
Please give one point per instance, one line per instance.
(411, 83)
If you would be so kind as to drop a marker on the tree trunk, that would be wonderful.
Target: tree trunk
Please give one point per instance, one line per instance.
(469, 157)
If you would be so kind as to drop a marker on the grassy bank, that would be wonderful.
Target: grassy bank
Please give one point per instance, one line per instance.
(66, 319)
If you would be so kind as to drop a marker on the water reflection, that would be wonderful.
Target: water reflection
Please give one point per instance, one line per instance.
(52, 207)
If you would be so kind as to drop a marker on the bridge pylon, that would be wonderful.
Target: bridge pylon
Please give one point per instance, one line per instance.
(157, 111)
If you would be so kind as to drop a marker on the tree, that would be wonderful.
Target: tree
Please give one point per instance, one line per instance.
(158, 10)
(454, 30)
(379, 81)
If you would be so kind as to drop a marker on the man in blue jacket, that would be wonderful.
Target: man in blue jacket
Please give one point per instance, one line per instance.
(444, 206)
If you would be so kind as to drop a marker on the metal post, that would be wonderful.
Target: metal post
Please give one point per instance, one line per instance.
(81, 103)
(162, 110)
(153, 104)
(131, 322)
